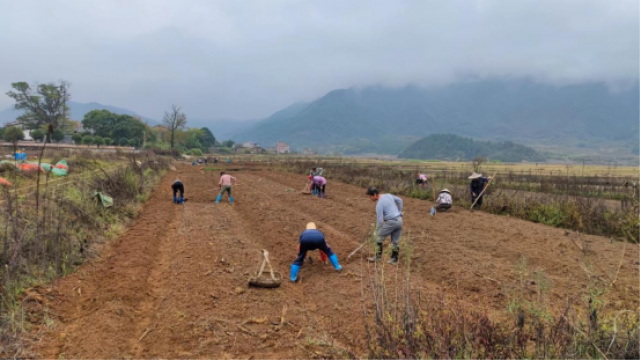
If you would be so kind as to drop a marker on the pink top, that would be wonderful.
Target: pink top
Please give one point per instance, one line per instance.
(319, 180)
(225, 180)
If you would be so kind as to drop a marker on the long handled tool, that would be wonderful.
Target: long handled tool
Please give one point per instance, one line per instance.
(433, 191)
(484, 190)
(366, 239)
(306, 190)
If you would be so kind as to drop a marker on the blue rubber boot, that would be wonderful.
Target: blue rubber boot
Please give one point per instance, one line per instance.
(334, 261)
(294, 272)
(175, 199)
(218, 199)
(230, 200)
(181, 200)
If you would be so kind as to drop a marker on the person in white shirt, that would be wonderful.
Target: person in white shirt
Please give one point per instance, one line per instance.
(444, 201)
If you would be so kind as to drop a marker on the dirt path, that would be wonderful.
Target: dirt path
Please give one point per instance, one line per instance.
(175, 284)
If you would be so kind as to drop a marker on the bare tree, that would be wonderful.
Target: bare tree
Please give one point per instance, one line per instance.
(173, 121)
(477, 162)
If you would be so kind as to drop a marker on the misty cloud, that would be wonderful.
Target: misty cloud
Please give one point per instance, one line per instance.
(247, 59)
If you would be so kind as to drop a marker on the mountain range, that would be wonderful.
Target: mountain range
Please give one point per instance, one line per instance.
(77, 112)
(386, 120)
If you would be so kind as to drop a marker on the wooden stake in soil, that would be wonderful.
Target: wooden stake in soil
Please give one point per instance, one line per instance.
(484, 190)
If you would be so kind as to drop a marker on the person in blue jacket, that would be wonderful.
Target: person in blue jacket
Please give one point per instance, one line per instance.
(312, 239)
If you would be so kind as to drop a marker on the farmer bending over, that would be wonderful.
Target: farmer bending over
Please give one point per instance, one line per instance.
(177, 186)
(225, 186)
(422, 179)
(318, 185)
(312, 239)
(444, 201)
(389, 222)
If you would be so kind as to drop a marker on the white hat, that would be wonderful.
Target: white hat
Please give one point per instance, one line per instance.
(311, 225)
(445, 190)
(475, 175)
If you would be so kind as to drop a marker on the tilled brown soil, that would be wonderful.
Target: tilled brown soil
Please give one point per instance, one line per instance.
(174, 286)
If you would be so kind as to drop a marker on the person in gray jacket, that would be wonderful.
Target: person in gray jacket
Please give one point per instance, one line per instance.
(389, 223)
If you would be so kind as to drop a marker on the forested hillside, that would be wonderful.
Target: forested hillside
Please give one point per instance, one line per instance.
(456, 148)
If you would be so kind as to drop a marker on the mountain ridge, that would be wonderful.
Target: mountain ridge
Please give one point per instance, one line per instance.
(385, 120)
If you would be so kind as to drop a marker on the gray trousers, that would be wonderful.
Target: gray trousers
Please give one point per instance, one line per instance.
(390, 228)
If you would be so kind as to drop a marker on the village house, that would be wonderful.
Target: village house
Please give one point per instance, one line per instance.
(249, 147)
(282, 147)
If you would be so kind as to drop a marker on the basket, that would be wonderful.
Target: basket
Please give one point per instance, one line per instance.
(258, 280)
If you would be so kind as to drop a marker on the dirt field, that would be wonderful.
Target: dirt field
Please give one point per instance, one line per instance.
(175, 284)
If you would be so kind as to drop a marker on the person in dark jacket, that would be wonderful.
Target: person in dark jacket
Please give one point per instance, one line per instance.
(176, 187)
(312, 239)
(478, 182)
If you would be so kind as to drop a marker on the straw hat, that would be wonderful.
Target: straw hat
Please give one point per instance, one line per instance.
(445, 190)
(311, 225)
(475, 175)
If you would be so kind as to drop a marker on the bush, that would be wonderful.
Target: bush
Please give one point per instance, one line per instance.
(57, 135)
(38, 135)
(77, 138)
(107, 141)
(98, 140)
(13, 134)
(123, 142)
(196, 152)
(87, 140)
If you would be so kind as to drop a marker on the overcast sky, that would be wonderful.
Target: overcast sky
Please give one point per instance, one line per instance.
(248, 59)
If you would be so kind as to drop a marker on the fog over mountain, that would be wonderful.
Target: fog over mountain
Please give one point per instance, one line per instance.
(248, 59)
(380, 119)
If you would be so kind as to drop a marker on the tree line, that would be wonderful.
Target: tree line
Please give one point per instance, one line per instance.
(46, 117)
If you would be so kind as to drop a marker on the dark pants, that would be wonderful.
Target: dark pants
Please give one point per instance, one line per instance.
(421, 181)
(178, 187)
(443, 207)
(478, 203)
(311, 246)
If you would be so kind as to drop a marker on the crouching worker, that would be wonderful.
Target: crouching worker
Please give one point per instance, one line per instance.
(422, 179)
(177, 186)
(318, 185)
(225, 186)
(312, 239)
(444, 201)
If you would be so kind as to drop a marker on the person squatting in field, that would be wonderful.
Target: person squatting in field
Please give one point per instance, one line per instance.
(225, 186)
(422, 179)
(317, 185)
(312, 239)
(478, 182)
(444, 201)
(176, 187)
(389, 223)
